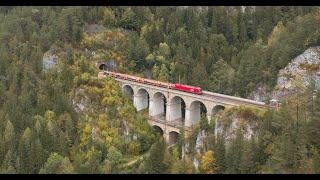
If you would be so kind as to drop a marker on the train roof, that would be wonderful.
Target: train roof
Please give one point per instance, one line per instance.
(187, 86)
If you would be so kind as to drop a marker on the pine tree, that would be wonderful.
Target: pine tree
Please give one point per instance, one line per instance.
(154, 164)
(235, 153)
(221, 80)
(184, 166)
(56, 164)
(313, 125)
(248, 165)
(113, 159)
(315, 160)
(198, 74)
(155, 72)
(220, 151)
(9, 137)
(163, 73)
(8, 161)
(24, 152)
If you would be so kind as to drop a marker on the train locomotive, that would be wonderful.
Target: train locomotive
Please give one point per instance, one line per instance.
(176, 86)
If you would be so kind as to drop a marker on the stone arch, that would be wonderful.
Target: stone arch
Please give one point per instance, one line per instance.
(216, 109)
(196, 108)
(177, 110)
(173, 137)
(141, 99)
(158, 129)
(128, 90)
(158, 105)
(103, 66)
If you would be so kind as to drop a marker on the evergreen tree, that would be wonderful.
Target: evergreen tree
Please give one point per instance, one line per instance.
(154, 164)
(163, 73)
(56, 164)
(315, 160)
(220, 151)
(9, 137)
(234, 154)
(198, 74)
(184, 166)
(113, 159)
(25, 152)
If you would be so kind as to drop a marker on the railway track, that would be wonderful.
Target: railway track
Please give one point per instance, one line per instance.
(234, 99)
(204, 94)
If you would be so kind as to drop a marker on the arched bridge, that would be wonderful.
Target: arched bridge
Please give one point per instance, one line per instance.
(170, 110)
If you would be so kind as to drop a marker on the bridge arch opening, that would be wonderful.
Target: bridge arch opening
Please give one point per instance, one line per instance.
(177, 110)
(217, 109)
(128, 90)
(173, 138)
(158, 130)
(159, 105)
(197, 109)
(141, 99)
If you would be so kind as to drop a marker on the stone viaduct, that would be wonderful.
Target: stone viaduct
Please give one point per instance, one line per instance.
(170, 110)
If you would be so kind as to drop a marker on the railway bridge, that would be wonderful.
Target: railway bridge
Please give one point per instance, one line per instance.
(170, 110)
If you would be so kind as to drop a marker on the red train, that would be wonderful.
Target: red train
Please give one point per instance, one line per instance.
(191, 89)
(179, 87)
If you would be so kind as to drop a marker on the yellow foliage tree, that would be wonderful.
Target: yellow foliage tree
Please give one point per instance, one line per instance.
(275, 34)
(208, 163)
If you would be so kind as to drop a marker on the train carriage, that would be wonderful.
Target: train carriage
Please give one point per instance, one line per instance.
(177, 86)
(185, 88)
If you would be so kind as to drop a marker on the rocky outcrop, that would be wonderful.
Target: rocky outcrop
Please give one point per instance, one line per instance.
(261, 93)
(49, 60)
(80, 100)
(303, 68)
(299, 73)
(296, 76)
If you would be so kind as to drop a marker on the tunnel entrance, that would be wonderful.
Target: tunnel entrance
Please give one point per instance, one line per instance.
(103, 66)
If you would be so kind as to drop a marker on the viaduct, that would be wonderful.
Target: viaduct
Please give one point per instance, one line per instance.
(170, 110)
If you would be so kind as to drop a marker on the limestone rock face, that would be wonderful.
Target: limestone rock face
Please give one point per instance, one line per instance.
(80, 100)
(261, 94)
(302, 70)
(296, 76)
(49, 61)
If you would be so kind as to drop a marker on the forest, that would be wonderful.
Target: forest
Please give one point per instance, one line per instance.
(228, 50)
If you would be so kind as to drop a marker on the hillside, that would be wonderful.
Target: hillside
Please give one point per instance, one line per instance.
(56, 116)
(301, 73)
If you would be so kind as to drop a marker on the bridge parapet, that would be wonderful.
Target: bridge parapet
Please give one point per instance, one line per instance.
(166, 109)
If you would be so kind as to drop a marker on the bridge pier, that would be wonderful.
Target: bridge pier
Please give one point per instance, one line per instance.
(174, 109)
(140, 102)
(168, 115)
(156, 106)
(195, 114)
(169, 132)
(188, 122)
(151, 107)
(209, 116)
(177, 105)
(166, 137)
